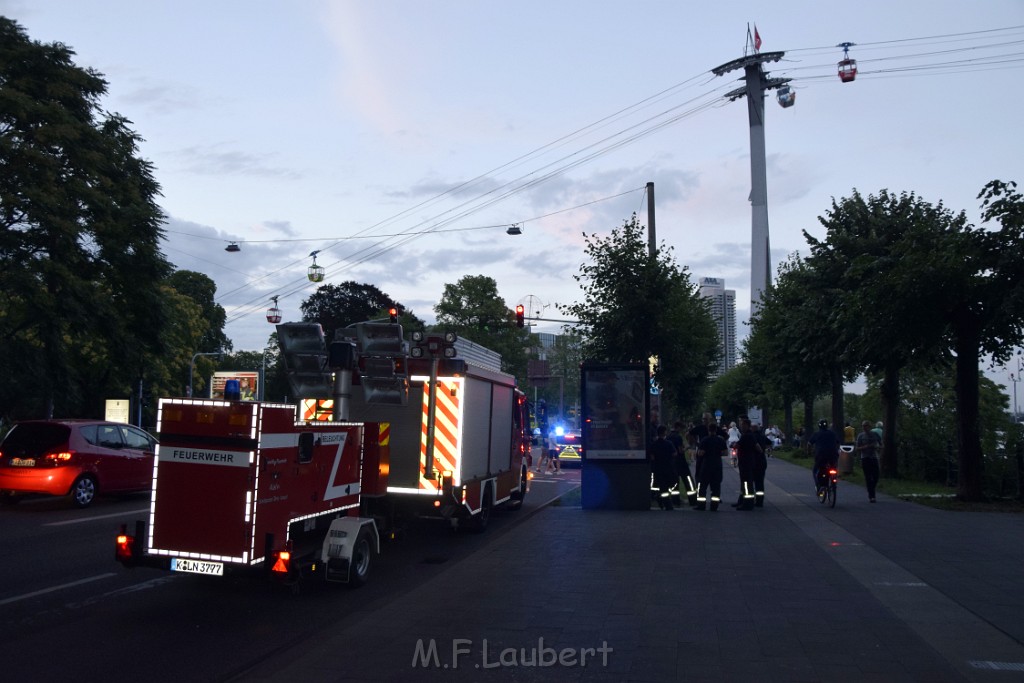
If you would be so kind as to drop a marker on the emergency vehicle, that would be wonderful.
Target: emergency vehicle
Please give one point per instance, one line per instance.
(296, 491)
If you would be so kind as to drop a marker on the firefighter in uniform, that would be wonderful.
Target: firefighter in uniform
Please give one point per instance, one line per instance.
(760, 465)
(747, 449)
(663, 468)
(686, 481)
(709, 469)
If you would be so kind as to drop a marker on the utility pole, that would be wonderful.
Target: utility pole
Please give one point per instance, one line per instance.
(652, 242)
(756, 82)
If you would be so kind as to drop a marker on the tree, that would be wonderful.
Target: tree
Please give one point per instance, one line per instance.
(562, 387)
(637, 306)
(203, 290)
(783, 330)
(473, 309)
(338, 306)
(80, 265)
(862, 253)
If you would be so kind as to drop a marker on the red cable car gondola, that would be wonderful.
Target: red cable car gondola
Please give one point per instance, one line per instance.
(274, 313)
(847, 66)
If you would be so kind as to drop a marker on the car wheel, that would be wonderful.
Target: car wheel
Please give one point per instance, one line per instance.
(362, 553)
(9, 498)
(83, 491)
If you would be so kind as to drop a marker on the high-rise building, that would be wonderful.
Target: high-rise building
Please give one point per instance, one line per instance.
(723, 308)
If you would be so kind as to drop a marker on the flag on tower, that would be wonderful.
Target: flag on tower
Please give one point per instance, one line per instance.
(757, 38)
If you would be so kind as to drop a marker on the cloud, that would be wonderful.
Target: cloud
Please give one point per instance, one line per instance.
(214, 160)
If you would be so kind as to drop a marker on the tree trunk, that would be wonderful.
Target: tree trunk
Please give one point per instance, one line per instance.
(787, 424)
(835, 375)
(968, 433)
(808, 422)
(890, 391)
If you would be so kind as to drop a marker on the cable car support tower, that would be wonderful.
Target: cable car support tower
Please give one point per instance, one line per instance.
(756, 82)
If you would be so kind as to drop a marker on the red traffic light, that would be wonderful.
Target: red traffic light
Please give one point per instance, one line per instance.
(520, 313)
(393, 314)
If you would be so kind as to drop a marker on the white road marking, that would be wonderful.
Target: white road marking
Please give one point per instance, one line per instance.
(79, 520)
(44, 591)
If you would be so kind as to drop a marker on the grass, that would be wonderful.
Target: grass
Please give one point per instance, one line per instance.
(921, 492)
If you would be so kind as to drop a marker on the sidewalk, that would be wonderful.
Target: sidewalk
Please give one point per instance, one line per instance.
(791, 592)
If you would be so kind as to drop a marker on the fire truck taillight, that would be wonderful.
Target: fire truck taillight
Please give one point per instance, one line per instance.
(283, 561)
(124, 547)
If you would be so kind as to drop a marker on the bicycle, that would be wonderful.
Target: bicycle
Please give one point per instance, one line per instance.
(827, 486)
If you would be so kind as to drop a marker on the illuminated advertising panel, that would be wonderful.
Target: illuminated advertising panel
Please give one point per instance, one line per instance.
(614, 411)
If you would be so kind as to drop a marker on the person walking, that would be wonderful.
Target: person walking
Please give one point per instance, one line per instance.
(663, 455)
(710, 452)
(547, 458)
(747, 450)
(868, 445)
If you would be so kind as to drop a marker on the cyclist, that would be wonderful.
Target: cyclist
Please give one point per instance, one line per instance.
(826, 450)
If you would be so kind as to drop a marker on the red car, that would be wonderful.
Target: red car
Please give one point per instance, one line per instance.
(75, 458)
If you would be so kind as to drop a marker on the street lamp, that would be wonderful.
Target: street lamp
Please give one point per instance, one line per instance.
(192, 367)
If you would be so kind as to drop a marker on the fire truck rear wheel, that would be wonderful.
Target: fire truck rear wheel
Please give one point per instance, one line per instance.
(517, 501)
(480, 521)
(362, 552)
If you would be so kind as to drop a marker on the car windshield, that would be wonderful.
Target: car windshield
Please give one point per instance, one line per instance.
(31, 439)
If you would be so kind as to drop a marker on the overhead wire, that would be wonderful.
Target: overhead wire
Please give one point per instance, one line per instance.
(648, 126)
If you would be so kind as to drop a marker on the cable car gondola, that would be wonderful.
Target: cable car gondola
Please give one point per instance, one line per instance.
(847, 66)
(315, 273)
(786, 96)
(274, 313)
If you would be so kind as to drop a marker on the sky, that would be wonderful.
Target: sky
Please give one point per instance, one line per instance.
(400, 139)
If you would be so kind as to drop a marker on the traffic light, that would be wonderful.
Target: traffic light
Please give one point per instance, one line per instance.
(519, 316)
(393, 314)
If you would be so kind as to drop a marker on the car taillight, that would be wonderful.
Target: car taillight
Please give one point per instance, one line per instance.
(58, 458)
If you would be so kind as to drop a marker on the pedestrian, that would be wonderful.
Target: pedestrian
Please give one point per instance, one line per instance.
(760, 465)
(849, 435)
(826, 451)
(868, 445)
(663, 469)
(550, 447)
(710, 452)
(686, 481)
(553, 449)
(747, 450)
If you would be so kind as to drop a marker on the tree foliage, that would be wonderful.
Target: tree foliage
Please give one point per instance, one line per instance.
(780, 347)
(338, 306)
(473, 309)
(636, 306)
(898, 282)
(80, 266)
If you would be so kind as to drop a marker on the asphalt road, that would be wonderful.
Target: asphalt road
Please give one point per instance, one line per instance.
(68, 610)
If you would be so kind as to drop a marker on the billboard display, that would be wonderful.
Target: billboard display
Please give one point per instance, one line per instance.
(248, 384)
(614, 411)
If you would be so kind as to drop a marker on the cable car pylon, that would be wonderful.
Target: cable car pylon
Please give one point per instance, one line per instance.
(757, 81)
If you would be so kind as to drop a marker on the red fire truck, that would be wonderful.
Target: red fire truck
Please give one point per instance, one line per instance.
(243, 484)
